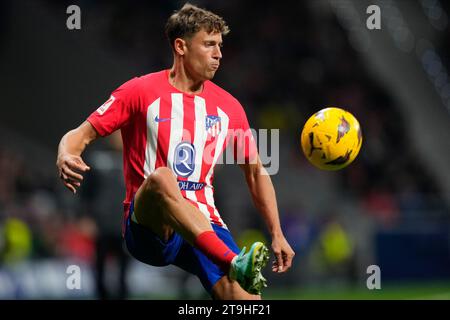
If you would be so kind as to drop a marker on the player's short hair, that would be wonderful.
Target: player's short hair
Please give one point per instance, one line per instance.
(189, 20)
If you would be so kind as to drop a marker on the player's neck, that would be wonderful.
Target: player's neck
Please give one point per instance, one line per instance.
(180, 79)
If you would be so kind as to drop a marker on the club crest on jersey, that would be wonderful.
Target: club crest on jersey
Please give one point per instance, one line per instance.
(212, 125)
(184, 159)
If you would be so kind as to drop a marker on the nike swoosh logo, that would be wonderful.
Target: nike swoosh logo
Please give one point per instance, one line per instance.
(161, 119)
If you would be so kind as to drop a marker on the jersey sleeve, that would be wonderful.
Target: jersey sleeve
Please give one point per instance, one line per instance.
(118, 110)
(245, 150)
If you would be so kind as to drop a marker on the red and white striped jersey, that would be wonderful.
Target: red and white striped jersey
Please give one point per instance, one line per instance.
(162, 126)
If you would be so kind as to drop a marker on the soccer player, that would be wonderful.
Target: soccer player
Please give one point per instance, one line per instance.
(175, 124)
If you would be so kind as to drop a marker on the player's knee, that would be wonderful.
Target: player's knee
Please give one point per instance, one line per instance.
(160, 183)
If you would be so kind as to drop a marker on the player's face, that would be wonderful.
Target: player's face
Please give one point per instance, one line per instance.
(203, 54)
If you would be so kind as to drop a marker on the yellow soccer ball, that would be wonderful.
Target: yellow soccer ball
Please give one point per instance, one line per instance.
(331, 139)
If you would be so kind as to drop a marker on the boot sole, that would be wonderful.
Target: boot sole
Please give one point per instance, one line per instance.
(260, 257)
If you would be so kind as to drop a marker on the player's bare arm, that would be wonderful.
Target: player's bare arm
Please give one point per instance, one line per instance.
(69, 162)
(264, 198)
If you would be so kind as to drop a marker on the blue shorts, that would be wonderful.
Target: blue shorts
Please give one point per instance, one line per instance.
(148, 248)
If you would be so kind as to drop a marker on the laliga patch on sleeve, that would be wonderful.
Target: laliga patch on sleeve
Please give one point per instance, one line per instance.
(102, 109)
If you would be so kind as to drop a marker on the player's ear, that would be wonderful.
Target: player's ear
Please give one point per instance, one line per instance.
(179, 46)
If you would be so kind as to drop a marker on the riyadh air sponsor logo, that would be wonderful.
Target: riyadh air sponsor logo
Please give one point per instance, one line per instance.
(190, 185)
(184, 159)
(102, 109)
(212, 125)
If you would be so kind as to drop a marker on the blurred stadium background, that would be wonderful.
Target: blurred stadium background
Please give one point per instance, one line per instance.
(283, 61)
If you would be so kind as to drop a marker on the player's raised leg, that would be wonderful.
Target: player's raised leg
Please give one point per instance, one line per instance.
(160, 206)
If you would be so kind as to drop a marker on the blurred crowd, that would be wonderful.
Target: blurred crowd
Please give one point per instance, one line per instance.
(283, 68)
(34, 222)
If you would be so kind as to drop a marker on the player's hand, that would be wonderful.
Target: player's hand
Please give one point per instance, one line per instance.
(283, 254)
(70, 169)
